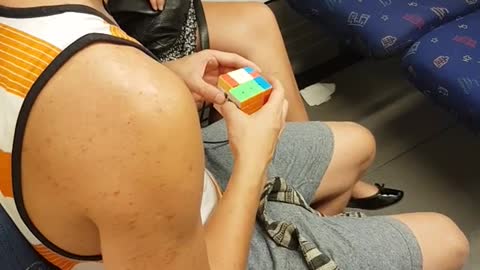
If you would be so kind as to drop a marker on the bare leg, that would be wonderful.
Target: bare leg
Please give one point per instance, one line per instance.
(251, 30)
(443, 244)
(353, 153)
(363, 190)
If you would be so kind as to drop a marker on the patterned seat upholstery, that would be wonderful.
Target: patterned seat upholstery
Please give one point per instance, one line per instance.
(381, 28)
(445, 66)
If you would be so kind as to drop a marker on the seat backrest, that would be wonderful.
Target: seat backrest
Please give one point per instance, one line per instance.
(15, 251)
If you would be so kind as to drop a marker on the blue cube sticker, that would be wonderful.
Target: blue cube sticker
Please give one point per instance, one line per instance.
(263, 83)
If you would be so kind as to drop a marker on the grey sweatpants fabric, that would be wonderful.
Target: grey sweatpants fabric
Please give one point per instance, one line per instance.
(302, 157)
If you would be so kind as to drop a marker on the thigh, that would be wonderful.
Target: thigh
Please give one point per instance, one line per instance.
(251, 30)
(302, 156)
(228, 23)
(369, 243)
(443, 244)
(321, 160)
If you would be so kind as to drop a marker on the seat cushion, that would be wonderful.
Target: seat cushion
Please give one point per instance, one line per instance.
(445, 65)
(383, 27)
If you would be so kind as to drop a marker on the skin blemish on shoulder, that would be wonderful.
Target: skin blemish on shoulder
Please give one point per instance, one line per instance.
(132, 223)
(159, 110)
(162, 216)
(170, 217)
(144, 235)
(55, 183)
(170, 256)
(83, 148)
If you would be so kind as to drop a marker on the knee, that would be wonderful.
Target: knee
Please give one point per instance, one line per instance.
(258, 22)
(455, 241)
(362, 144)
(451, 239)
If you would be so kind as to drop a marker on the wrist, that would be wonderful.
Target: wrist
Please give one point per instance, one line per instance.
(252, 166)
(248, 177)
(253, 157)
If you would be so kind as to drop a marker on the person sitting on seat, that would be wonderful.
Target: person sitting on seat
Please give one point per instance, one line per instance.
(108, 169)
(250, 30)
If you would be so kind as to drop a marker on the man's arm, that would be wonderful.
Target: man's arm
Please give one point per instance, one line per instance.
(230, 227)
(151, 219)
(135, 159)
(135, 164)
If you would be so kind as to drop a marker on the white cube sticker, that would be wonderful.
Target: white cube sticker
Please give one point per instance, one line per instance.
(241, 76)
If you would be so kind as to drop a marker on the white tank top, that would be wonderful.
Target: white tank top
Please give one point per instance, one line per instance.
(34, 44)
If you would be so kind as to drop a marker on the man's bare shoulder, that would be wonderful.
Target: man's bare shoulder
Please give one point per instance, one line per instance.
(119, 81)
(113, 105)
(123, 144)
(114, 67)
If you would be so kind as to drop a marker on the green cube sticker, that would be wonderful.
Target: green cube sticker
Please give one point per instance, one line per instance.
(246, 91)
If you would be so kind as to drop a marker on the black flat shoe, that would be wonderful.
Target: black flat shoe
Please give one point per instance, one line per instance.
(384, 197)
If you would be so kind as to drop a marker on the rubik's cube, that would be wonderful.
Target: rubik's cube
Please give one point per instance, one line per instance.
(246, 88)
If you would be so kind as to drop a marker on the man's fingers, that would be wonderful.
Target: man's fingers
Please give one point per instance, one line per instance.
(197, 98)
(283, 117)
(232, 60)
(209, 92)
(284, 111)
(227, 110)
(277, 96)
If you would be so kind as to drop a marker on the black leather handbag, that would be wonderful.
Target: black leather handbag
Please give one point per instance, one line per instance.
(157, 30)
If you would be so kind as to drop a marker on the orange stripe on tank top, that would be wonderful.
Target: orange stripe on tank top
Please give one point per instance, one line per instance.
(27, 39)
(23, 58)
(6, 174)
(119, 33)
(57, 260)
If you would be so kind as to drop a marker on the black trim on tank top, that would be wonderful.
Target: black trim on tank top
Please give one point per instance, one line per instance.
(28, 103)
(42, 11)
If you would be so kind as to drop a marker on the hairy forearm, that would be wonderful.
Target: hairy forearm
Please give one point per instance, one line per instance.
(230, 227)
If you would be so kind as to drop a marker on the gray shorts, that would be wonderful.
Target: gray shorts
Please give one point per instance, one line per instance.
(302, 157)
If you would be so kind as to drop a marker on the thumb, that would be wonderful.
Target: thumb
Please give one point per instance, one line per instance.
(210, 92)
(227, 110)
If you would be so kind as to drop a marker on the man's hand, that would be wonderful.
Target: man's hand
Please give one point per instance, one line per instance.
(264, 127)
(158, 4)
(200, 72)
